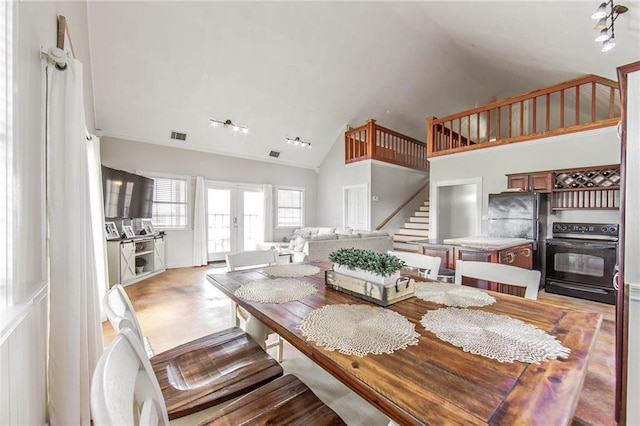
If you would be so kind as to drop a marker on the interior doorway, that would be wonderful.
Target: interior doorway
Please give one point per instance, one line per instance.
(356, 206)
(235, 219)
(458, 208)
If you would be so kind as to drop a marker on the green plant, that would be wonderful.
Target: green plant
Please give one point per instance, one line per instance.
(141, 261)
(382, 264)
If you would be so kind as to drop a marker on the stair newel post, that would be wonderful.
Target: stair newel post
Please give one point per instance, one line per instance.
(430, 136)
(371, 137)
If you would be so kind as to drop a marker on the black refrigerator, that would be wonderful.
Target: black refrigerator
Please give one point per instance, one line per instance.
(520, 215)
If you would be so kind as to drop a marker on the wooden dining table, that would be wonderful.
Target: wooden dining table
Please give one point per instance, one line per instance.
(435, 382)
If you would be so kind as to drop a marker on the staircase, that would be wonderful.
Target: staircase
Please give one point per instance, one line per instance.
(416, 229)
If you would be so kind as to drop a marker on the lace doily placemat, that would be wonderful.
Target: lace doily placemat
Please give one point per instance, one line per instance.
(494, 336)
(358, 329)
(279, 290)
(452, 295)
(290, 271)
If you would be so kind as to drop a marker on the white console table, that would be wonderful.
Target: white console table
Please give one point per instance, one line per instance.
(122, 256)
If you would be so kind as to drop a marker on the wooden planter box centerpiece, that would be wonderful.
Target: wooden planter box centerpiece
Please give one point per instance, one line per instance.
(369, 275)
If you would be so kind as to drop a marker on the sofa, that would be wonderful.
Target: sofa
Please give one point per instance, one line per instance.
(309, 244)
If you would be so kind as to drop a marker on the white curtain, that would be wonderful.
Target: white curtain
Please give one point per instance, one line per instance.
(75, 333)
(199, 225)
(267, 190)
(97, 218)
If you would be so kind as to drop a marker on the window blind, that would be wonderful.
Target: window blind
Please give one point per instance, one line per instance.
(170, 203)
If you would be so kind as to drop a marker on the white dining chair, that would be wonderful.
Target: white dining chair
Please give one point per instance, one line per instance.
(250, 259)
(245, 260)
(499, 273)
(429, 263)
(125, 391)
(201, 373)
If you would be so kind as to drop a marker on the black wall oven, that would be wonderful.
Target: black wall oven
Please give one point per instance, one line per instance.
(581, 261)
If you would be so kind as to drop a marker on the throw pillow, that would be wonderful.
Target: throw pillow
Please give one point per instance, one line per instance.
(343, 231)
(326, 231)
(299, 243)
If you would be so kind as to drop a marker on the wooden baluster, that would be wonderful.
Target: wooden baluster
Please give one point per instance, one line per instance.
(549, 111)
(521, 118)
(577, 105)
(534, 128)
(562, 108)
(478, 128)
(468, 130)
(510, 116)
(593, 101)
(498, 123)
(488, 132)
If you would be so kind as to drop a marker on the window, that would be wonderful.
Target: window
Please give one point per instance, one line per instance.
(289, 207)
(170, 205)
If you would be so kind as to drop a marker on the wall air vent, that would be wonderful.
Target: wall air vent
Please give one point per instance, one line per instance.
(274, 154)
(179, 136)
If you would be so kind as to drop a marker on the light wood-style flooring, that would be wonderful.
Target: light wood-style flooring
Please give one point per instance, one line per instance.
(181, 305)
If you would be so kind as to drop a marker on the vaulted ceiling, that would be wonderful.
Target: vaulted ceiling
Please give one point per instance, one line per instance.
(308, 69)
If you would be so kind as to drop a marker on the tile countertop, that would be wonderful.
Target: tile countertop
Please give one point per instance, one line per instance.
(478, 242)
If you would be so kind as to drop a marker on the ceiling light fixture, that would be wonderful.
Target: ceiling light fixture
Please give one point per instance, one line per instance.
(298, 142)
(603, 15)
(229, 124)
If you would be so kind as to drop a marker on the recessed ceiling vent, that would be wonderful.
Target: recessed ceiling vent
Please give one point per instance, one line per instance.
(179, 136)
(274, 154)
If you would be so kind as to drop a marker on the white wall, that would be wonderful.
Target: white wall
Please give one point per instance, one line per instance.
(23, 329)
(132, 156)
(393, 186)
(332, 177)
(592, 148)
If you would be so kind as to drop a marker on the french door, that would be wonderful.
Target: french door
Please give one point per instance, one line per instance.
(235, 218)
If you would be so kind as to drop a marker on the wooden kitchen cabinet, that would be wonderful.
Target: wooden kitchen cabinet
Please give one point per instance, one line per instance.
(537, 181)
(445, 253)
(520, 256)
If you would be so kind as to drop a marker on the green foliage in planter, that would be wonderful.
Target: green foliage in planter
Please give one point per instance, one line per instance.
(140, 261)
(382, 264)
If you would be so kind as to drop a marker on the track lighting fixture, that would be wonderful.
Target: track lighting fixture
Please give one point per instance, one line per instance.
(606, 14)
(298, 142)
(229, 124)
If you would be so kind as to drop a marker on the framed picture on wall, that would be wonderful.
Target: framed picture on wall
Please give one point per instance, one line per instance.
(128, 231)
(111, 231)
(148, 227)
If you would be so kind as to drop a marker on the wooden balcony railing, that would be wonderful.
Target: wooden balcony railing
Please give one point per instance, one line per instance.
(375, 142)
(585, 103)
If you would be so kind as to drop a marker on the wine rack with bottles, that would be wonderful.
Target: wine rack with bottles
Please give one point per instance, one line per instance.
(596, 187)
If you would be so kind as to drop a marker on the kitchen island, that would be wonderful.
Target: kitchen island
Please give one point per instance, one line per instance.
(508, 251)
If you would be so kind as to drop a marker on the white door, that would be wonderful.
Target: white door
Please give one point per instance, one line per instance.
(235, 216)
(356, 206)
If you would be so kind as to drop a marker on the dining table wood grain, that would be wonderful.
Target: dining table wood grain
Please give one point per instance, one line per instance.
(435, 382)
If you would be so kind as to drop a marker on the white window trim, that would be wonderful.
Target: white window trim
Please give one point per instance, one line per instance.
(276, 188)
(189, 179)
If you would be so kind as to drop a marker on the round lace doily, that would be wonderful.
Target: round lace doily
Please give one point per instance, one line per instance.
(494, 336)
(290, 271)
(358, 329)
(278, 290)
(452, 295)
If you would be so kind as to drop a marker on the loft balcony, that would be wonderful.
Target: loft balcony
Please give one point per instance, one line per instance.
(373, 142)
(585, 103)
